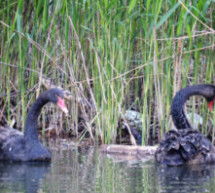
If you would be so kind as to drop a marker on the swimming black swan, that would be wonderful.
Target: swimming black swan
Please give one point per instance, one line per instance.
(15, 146)
(186, 145)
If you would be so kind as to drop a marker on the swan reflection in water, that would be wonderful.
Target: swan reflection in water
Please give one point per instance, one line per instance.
(22, 177)
(186, 178)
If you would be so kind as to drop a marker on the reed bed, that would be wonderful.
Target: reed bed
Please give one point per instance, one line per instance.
(112, 55)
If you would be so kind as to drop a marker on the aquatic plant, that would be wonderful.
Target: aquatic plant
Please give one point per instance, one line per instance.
(112, 55)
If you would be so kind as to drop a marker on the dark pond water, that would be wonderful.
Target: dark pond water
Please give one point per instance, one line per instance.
(87, 170)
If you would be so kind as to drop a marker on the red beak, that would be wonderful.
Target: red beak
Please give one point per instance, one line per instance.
(61, 105)
(211, 105)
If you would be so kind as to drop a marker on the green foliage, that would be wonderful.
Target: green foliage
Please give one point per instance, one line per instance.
(115, 54)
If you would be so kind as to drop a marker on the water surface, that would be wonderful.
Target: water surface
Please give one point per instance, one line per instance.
(79, 170)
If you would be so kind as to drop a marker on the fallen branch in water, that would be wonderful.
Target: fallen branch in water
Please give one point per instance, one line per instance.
(138, 151)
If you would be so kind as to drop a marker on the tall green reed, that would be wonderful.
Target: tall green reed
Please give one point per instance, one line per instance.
(114, 55)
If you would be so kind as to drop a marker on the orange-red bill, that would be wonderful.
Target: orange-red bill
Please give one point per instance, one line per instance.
(61, 105)
(211, 105)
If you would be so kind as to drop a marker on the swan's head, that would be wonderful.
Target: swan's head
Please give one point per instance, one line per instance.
(56, 96)
(210, 96)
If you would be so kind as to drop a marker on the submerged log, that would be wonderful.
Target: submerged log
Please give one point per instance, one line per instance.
(137, 151)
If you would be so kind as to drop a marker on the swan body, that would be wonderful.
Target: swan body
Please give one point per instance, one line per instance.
(186, 145)
(18, 146)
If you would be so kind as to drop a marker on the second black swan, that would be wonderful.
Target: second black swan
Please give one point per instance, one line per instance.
(186, 145)
(16, 146)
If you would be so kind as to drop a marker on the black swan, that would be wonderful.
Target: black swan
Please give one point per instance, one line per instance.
(186, 145)
(16, 146)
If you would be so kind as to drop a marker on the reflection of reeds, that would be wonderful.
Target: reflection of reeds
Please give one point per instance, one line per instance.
(113, 55)
(89, 170)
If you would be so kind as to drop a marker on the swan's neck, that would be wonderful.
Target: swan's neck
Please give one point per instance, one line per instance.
(30, 132)
(177, 107)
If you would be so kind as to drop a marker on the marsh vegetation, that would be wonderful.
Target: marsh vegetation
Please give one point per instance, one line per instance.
(111, 55)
